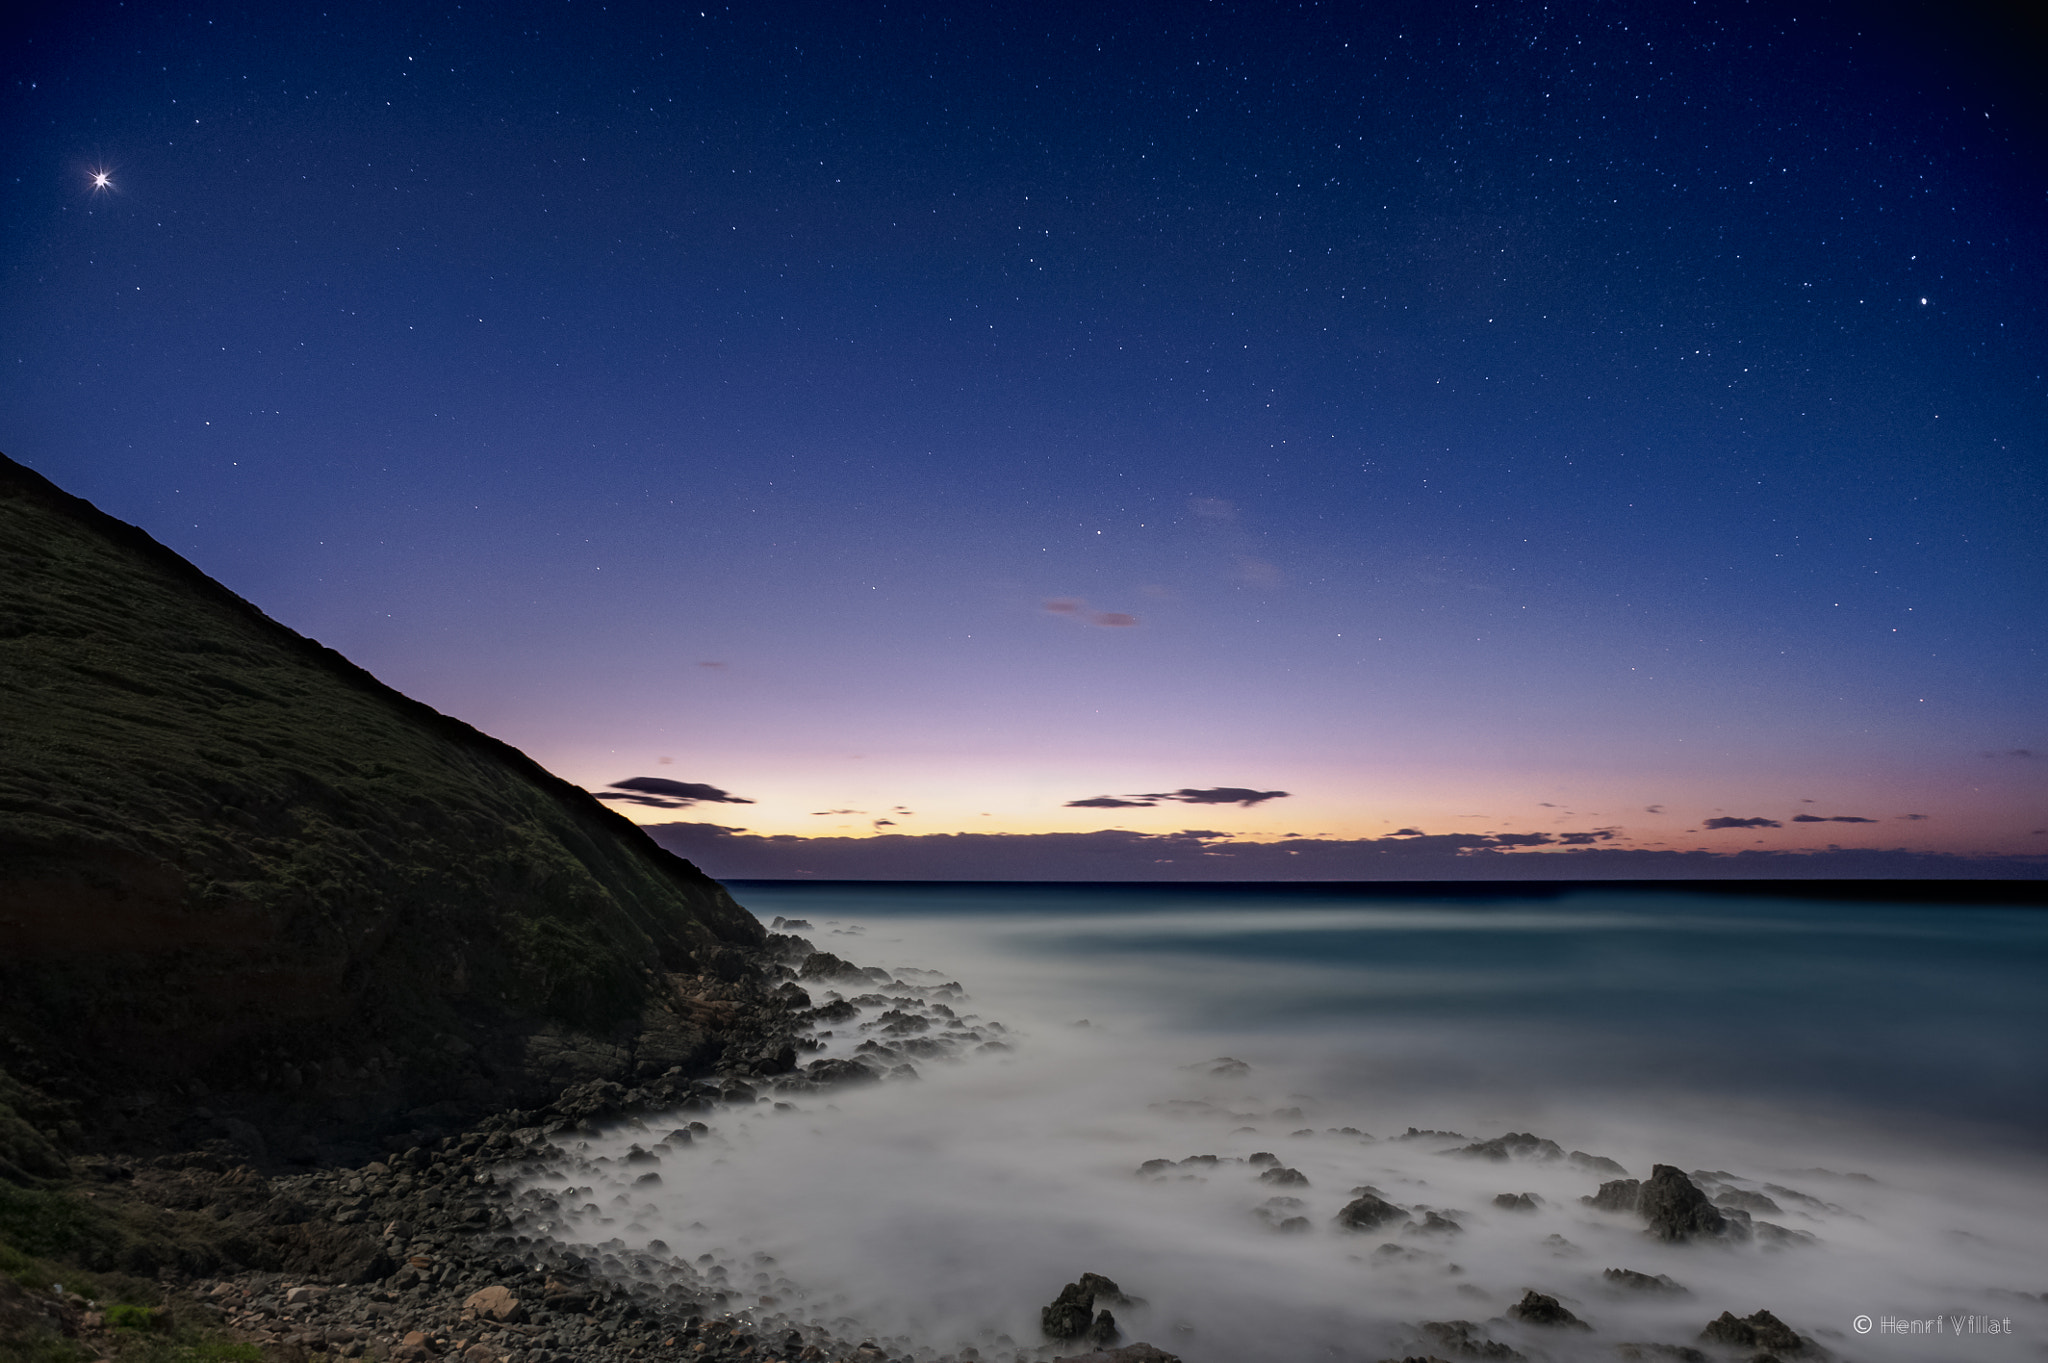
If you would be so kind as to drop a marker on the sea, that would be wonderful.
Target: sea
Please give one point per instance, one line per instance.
(1180, 1088)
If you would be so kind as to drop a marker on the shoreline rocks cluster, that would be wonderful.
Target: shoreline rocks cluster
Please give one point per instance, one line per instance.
(446, 1251)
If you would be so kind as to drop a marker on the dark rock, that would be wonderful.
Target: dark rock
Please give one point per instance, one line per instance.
(1368, 1212)
(1595, 1164)
(823, 965)
(1619, 1195)
(1129, 1353)
(1642, 1282)
(1103, 1332)
(1747, 1201)
(1514, 1145)
(1283, 1177)
(1537, 1308)
(839, 1072)
(1461, 1337)
(835, 1012)
(1262, 1159)
(1071, 1314)
(1517, 1202)
(1759, 1331)
(1676, 1209)
(1775, 1236)
(1433, 1223)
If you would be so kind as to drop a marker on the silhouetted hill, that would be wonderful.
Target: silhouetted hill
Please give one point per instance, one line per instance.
(247, 889)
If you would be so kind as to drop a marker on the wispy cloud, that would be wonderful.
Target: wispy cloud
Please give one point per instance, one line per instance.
(1077, 609)
(1726, 822)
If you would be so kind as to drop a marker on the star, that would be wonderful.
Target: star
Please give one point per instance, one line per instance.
(102, 179)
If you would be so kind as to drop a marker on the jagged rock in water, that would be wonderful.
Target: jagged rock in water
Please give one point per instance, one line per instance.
(1462, 1337)
(1537, 1308)
(839, 1072)
(1514, 1145)
(1368, 1212)
(1517, 1202)
(1642, 1282)
(1747, 1201)
(1759, 1331)
(1595, 1164)
(1676, 1209)
(823, 965)
(1617, 1195)
(1283, 1177)
(1072, 1314)
(1129, 1353)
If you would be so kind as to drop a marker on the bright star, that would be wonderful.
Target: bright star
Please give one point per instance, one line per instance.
(102, 179)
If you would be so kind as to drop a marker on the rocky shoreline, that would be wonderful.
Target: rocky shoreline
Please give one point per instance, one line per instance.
(481, 1244)
(431, 1252)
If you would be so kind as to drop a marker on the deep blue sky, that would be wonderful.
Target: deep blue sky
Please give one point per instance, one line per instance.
(1506, 418)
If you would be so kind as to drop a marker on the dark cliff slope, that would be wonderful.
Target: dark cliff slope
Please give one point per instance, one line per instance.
(243, 882)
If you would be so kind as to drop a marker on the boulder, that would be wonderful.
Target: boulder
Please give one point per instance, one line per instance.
(1759, 1331)
(1072, 1314)
(839, 1072)
(823, 965)
(1463, 1338)
(1514, 1145)
(1129, 1353)
(1368, 1212)
(1537, 1308)
(1676, 1209)
(1642, 1282)
(1618, 1195)
(494, 1303)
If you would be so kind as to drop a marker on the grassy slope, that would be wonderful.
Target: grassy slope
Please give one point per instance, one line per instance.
(221, 842)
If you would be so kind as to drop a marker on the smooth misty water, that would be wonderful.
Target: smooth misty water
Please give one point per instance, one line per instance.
(1880, 1072)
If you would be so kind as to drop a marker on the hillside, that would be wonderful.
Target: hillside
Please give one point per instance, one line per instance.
(249, 894)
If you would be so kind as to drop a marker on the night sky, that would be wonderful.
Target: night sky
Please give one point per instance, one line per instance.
(1621, 421)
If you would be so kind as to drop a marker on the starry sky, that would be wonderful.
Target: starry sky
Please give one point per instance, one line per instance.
(1555, 426)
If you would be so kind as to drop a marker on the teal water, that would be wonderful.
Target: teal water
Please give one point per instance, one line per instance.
(1865, 1078)
(1916, 1011)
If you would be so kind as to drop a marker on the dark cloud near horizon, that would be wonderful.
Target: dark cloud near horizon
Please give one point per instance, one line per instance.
(1218, 795)
(1214, 795)
(661, 793)
(1832, 818)
(1198, 855)
(1727, 822)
